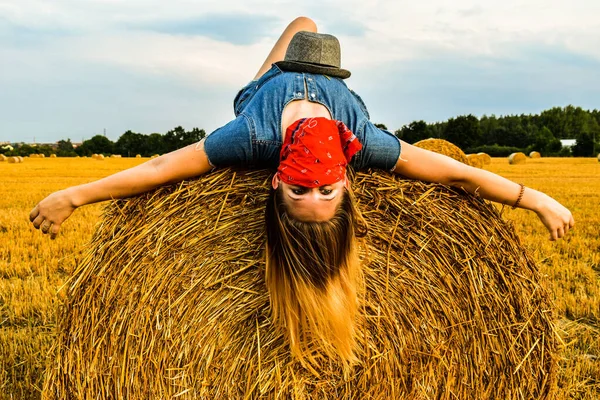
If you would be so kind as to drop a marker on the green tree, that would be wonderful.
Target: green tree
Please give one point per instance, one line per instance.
(154, 145)
(463, 131)
(130, 143)
(65, 148)
(545, 142)
(178, 138)
(413, 132)
(96, 145)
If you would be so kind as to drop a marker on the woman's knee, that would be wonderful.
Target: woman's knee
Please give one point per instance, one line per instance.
(304, 24)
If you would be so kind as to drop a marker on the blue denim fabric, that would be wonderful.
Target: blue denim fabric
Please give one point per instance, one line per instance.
(254, 137)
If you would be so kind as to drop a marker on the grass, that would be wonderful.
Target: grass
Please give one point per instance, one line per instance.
(33, 268)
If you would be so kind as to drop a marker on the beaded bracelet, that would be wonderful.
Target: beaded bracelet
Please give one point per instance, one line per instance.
(520, 196)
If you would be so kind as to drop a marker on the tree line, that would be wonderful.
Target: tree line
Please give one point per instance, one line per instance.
(496, 136)
(129, 144)
(500, 136)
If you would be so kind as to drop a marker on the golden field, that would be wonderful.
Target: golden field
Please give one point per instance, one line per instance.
(33, 268)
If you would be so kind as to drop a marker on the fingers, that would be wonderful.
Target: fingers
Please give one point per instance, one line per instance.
(54, 231)
(38, 221)
(34, 213)
(45, 226)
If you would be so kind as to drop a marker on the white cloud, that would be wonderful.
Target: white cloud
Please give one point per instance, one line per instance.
(57, 41)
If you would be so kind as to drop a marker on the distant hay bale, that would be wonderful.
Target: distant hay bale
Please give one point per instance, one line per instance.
(33, 156)
(138, 156)
(170, 300)
(21, 159)
(3, 157)
(53, 155)
(487, 160)
(517, 158)
(444, 147)
(155, 155)
(115, 156)
(535, 154)
(475, 160)
(13, 160)
(41, 155)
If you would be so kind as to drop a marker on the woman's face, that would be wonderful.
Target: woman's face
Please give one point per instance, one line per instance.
(311, 204)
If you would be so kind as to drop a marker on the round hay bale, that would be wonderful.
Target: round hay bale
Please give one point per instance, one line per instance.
(53, 155)
(115, 156)
(21, 159)
(444, 147)
(13, 160)
(487, 160)
(99, 156)
(535, 154)
(3, 157)
(475, 160)
(155, 155)
(138, 156)
(517, 158)
(170, 299)
(42, 155)
(33, 156)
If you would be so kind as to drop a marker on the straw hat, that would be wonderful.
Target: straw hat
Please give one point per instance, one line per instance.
(316, 53)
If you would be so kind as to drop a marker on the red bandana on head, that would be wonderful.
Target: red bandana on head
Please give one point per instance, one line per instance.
(316, 152)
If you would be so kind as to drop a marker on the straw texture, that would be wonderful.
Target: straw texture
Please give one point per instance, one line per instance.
(442, 146)
(475, 160)
(487, 160)
(517, 158)
(170, 302)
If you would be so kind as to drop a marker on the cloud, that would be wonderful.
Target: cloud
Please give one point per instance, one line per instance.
(443, 86)
(150, 65)
(239, 29)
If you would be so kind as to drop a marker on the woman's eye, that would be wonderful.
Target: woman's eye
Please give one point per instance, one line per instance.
(326, 191)
(299, 191)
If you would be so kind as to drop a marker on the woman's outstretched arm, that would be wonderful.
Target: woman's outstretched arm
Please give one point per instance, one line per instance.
(424, 165)
(51, 212)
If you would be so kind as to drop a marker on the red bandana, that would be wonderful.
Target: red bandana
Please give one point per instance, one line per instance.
(316, 152)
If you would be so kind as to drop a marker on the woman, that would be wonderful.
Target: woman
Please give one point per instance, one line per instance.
(298, 116)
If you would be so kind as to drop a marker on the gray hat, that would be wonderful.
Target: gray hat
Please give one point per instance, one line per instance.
(316, 53)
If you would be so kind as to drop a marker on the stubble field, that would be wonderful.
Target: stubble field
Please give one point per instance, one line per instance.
(33, 268)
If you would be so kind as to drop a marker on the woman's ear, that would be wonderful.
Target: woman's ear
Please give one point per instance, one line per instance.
(275, 181)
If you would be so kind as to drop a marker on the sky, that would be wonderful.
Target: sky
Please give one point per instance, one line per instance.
(77, 68)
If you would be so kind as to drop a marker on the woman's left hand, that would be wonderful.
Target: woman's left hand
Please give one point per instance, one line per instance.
(556, 217)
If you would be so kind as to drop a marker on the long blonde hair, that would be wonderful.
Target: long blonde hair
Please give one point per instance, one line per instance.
(313, 276)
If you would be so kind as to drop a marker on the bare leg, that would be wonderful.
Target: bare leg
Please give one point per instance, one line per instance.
(278, 51)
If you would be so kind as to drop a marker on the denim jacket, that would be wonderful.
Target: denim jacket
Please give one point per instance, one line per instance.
(254, 137)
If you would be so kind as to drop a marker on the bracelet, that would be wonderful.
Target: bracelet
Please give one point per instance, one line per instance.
(520, 196)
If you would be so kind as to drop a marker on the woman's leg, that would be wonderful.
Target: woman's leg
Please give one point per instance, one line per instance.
(278, 51)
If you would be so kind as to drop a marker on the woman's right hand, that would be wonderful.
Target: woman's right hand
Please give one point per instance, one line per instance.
(52, 211)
